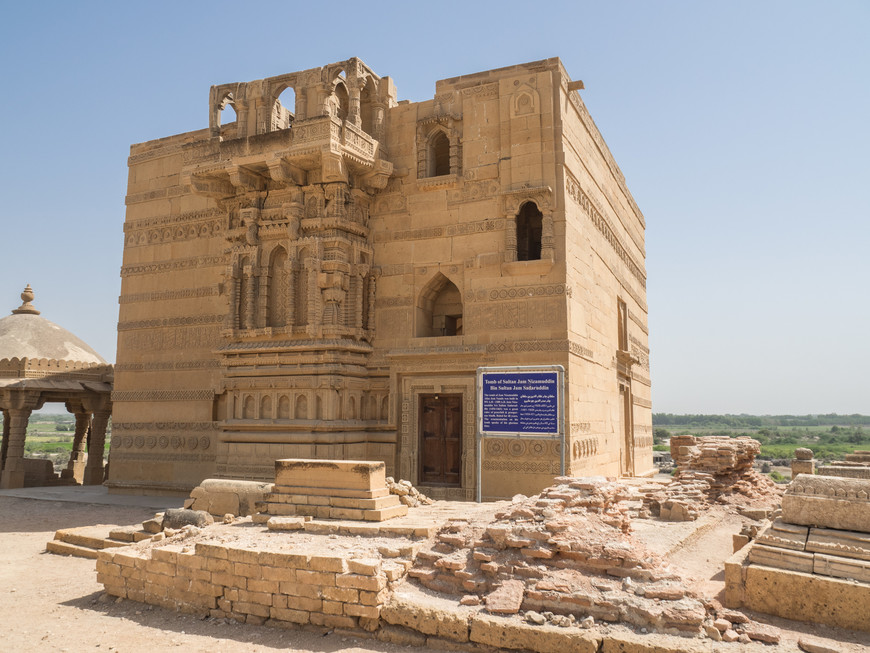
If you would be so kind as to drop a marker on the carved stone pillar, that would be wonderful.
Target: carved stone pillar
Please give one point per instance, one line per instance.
(510, 239)
(301, 103)
(250, 298)
(13, 468)
(96, 447)
(548, 249)
(353, 108)
(76, 467)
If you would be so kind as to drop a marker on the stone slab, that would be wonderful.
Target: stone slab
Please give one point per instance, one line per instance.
(847, 471)
(781, 558)
(846, 544)
(358, 475)
(784, 536)
(288, 490)
(828, 502)
(838, 567)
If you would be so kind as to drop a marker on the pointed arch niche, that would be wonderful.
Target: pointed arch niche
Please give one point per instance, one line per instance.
(439, 309)
(529, 233)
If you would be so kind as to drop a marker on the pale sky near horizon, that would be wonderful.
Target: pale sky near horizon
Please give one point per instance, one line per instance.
(741, 128)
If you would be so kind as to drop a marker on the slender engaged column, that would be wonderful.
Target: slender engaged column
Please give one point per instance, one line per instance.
(96, 447)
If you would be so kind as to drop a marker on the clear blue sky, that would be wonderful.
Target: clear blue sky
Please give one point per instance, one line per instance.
(741, 127)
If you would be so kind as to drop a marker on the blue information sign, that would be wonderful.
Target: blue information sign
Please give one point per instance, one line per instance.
(520, 402)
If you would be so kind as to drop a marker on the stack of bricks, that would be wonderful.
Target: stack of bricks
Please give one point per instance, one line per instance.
(331, 489)
(707, 467)
(251, 585)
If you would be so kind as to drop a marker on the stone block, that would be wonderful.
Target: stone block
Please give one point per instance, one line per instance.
(432, 616)
(285, 523)
(360, 582)
(808, 597)
(838, 567)
(847, 544)
(781, 558)
(828, 502)
(343, 474)
(503, 633)
(179, 517)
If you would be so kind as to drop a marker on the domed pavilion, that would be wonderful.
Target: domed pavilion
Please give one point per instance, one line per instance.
(42, 362)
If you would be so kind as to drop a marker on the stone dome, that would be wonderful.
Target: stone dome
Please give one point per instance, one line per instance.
(25, 334)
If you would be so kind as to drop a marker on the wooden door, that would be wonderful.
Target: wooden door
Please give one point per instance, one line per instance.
(440, 439)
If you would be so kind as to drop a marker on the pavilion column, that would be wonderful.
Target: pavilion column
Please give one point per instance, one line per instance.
(76, 467)
(96, 446)
(4, 446)
(13, 467)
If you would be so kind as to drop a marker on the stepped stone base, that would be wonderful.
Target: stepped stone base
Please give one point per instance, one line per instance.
(332, 489)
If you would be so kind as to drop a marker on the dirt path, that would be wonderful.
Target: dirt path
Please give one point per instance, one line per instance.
(53, 603)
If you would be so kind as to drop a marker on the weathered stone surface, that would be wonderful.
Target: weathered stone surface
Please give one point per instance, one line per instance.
(815, 645)
(429, 615)
(762, 632)
(802, 453)
(848, 544)
(619, 642)
(838, 567)
(784, 536)
(828, 502)
(505, 633)
(219, 496)
(781, 558)
(179, 517)
(808, 597)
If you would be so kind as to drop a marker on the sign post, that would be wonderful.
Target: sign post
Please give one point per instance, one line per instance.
(522, 401)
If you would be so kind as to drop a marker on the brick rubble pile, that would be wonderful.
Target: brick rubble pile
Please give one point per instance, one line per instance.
(710, 469)
(568, 551)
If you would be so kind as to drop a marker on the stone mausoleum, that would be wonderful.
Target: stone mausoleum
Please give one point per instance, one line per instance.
(320, 272)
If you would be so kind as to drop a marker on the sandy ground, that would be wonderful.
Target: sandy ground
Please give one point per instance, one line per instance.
(54, 603)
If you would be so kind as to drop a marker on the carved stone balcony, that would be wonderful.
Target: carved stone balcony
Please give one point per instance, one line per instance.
(324, 145)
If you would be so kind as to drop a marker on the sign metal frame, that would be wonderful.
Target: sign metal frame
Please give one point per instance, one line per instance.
(559, 434)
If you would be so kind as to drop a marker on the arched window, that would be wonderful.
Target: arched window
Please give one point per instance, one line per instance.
(342, 101)
(438, 154)
(439, 309)
(266, 407)
(529, 228)
(283, 111)
(318, 405)
(278, 288)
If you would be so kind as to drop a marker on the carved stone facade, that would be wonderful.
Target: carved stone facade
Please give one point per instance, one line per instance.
(322, 277)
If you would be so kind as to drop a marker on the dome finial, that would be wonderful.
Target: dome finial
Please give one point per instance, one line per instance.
(26, 307)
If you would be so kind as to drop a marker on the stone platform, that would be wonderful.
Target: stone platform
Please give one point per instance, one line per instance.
(812, 563)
